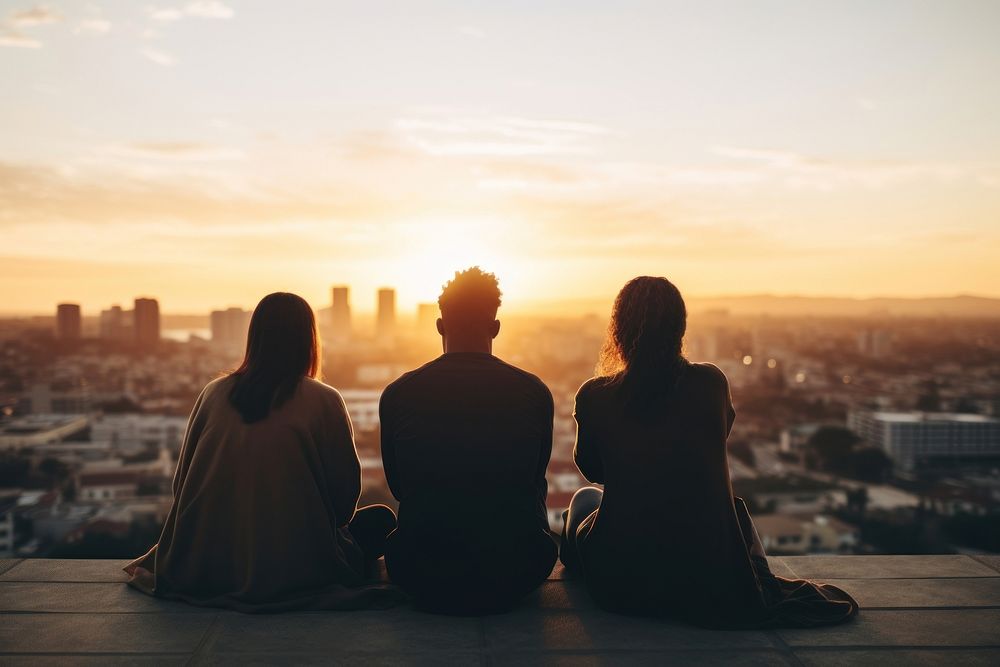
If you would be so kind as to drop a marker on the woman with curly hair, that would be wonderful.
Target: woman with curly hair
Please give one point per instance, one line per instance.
(652, 428)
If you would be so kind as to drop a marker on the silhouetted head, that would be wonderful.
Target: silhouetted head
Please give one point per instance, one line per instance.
(282, 348)
(642, 352)
(469, 304)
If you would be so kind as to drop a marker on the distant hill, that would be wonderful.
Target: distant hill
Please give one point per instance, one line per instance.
(770, 304)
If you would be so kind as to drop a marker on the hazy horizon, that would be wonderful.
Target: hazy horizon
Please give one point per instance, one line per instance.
(789, 304)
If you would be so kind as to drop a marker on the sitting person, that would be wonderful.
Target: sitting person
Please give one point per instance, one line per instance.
(466, 440)
(652, 429)
(264, 515)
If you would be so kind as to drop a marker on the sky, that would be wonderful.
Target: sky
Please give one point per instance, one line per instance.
(207, 153)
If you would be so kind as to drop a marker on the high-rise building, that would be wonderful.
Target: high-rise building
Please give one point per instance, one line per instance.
(229, 327)
(385, 320)
(117, 324)
(147, 323)
(69, 323)
(340, 313)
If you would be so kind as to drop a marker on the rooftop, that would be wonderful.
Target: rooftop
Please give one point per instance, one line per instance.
(915, 610)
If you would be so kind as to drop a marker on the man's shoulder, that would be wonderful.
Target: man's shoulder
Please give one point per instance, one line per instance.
(408, 379)
(524, 376)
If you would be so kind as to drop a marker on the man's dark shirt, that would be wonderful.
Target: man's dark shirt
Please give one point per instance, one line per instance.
(466, 440)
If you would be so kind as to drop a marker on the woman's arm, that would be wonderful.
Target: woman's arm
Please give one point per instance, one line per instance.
(195, 425)
(343, 464)
(586, 451)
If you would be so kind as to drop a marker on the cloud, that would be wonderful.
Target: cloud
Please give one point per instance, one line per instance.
(12, 39)
(10, 29)
(34, 16)
(161, 58)
(445, 133)
(36, 194)
(206, 9)
(96, 26)
(801, 171)
(176, 150)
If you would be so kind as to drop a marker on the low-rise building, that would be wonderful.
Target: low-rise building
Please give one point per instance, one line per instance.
(918, 441)
(40, 429)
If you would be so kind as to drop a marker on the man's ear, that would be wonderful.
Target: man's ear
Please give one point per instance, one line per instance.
(440, 326)
(495, 329)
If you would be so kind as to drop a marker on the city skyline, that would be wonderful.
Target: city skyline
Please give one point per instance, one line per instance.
(848, 150)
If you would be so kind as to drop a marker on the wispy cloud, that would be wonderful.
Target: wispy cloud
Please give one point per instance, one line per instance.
(176, 150)
(96, 26)
(207, 9)
(449, 134)
(161, 58)
(804, 171)
(34, 16)
(16, 40)
(10, 28)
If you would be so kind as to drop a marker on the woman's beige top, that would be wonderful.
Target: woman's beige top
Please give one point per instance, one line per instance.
(260, 511)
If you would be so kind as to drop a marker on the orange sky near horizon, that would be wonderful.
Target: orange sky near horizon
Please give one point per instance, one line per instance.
(207, 152)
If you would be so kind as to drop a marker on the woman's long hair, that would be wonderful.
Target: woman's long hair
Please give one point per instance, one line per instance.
(642, 352)
(282, 348)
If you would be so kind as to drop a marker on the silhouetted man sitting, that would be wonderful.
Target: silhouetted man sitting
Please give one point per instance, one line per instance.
(466, 439)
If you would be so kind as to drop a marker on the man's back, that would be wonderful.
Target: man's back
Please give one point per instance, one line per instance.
(465, 443)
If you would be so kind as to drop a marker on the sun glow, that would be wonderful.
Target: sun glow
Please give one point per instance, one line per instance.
(436, 249)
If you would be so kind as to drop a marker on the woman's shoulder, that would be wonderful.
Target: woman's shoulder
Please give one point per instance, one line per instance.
(322, 391)
(596, 390)
(220, 386)
(706, 371)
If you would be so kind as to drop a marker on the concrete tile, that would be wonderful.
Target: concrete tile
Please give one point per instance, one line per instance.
(972, 592)
(615, 658)
(339, 658)
(780, 567)
(7, 563)
(63, 659)
(990, 561)
(54, 569)
(979, 627)
(390, 631)
(882, 567)
(101, 633)
(914, 658)
(601, 631)
(98, 598)
(564, 595)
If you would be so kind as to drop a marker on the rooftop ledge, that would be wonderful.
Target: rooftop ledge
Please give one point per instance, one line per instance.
(915, 610)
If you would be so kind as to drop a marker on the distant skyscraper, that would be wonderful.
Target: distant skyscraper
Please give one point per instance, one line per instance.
(385, 320)
(147, 322)
(117, 324)
(427, 314)
(229, 327)
(340, 313)
(69, 323)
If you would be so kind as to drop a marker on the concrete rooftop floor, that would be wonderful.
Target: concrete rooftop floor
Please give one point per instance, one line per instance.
(916, 610)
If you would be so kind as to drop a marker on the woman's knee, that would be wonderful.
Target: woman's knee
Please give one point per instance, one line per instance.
(379, 515)
(586, 500)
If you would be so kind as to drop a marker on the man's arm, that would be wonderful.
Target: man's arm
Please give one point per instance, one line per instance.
(545, 447)
(386, 410)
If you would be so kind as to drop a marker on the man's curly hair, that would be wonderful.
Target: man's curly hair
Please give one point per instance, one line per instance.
(470, 297)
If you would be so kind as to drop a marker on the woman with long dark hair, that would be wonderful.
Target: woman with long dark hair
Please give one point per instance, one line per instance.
(652, 428)
(264, 515)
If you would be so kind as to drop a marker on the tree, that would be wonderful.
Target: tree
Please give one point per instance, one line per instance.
(870, 464)
(831, 446)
